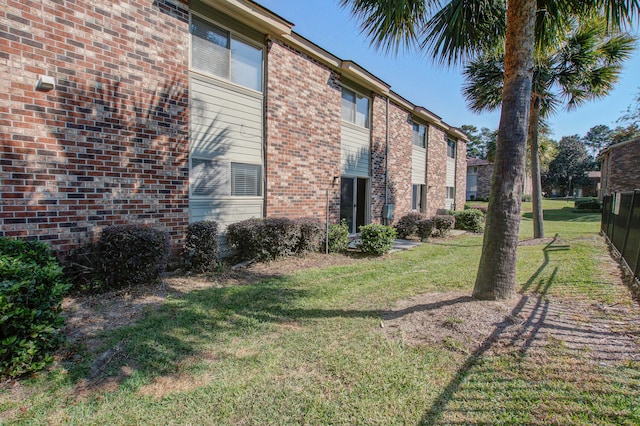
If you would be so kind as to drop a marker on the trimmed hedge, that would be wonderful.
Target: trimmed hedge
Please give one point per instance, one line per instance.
(483, 209)
(32, 286)
(312, 234)
(469, 220)
(589, 204)
(376, 239)
(408, 225)
(338, 237)
(443, 224)
(132, 255)
(425, 229)
(273, 237)
(201, 246)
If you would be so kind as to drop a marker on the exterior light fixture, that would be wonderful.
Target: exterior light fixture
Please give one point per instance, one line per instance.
(45, 83)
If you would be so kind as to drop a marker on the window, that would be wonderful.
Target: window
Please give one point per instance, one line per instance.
(419, 135)
(245, 180)
(473, 170)
(218, 52)
(418, 198)
(451, 148)
(451, 192)
(355, 108)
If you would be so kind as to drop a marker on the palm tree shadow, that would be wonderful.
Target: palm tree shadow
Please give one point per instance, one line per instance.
(533, 323)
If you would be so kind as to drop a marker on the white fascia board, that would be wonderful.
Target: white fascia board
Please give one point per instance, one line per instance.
(253, 15)
(355, 72)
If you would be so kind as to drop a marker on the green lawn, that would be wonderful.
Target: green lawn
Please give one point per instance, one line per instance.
(308, 349)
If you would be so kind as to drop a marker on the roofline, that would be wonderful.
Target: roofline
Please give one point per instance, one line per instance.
(609, 148)
(276, 27)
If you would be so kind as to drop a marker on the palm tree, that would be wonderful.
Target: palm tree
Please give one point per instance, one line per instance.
(456, 32)
(580, 65)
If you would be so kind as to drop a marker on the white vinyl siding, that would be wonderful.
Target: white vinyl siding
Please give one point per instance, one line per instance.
(225, 142)
(355, 152)
(418, 165)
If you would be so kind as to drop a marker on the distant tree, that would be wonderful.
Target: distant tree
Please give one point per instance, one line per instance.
(597, 138)
(624, 133)
(482, 143)
(570, 165)
(570, 68)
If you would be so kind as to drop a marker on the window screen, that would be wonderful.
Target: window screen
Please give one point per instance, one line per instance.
(209, 48)
(245, 180)
(419, 135)
(209, 178)
(217, 51)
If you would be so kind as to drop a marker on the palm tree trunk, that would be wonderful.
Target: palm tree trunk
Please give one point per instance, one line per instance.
(497, 270)
(534, 157)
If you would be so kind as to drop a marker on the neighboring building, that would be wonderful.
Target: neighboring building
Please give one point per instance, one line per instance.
(169, 112)
(620, 167)
(479, 174)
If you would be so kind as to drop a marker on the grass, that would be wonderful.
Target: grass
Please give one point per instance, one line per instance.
(308, 349)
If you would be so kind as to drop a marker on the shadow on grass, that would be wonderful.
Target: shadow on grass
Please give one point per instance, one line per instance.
(488, 390)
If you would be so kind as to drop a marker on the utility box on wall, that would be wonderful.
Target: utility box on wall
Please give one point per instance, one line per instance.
(387, 211)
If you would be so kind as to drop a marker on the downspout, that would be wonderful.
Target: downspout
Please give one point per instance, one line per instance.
(386, 160)
(265, 91)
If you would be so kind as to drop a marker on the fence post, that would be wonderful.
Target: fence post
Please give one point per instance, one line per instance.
(626, 228)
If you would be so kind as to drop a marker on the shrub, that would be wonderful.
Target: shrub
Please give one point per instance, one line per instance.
(338, 237)
(376, 239)
(264, 239)
(588, 204)
(32, 287)
(443, 224)
(132, 255)
(469, 220)
(483, 209)
(408, 225)
(312, 234)
(201, 246)
(83, 268)
(425, 229)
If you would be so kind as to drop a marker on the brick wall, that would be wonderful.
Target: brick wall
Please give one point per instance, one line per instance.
(436, 171)
(621, 168)
(109, 144)
(400, 155)
(461, 174)
(303, 135)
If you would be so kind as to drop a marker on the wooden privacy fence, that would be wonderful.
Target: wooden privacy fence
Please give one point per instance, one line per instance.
(621, 226)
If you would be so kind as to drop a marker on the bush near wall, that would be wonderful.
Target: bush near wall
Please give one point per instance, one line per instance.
(425, 229)
(131, 255)
(469, 220)
(408, 225)
(376, 239)
(443, 224)
(201, 246)
(338, 237)
(273, 237)
(32, 286)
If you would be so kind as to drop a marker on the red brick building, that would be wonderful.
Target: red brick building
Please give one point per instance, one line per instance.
(165, 112)
(620, 167)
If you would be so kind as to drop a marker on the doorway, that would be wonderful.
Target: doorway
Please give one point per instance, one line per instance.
(354, 201)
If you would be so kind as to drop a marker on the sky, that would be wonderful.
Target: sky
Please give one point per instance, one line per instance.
(433, 86)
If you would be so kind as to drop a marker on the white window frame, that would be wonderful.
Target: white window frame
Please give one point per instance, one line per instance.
(415, 135)
(354, 110)
(234, 191)
(231, 35)
(452, 190)
(419, 204)
(451, 148)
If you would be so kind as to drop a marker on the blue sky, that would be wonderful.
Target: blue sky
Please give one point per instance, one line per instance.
(431, 85)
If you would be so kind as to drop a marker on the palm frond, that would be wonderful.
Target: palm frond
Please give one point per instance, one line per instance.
(390, 25)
